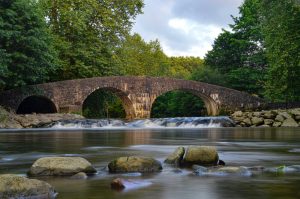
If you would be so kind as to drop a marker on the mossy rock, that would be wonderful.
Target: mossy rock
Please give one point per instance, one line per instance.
(176, 157)
(60, 166)
(134, 164)
(13, 186)
(201, 155)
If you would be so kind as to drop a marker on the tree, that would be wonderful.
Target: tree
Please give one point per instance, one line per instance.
(137, 57)
(178, 104)
(183, 67)
(27, 56)
(103, 104)
(239, 54)
(281, 30)
(87, 33)
(208, 75)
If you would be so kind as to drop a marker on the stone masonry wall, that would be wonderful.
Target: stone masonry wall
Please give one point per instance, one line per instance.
(137, 94)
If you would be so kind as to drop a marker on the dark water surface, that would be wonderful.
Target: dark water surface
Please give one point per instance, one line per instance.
(266, 147)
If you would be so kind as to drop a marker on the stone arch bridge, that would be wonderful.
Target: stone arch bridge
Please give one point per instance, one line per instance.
(137, 95)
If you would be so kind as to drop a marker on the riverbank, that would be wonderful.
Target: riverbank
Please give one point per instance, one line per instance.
(270, 118)
(12, 120)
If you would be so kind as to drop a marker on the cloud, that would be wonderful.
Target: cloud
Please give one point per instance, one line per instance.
(185, 28)
(207, 12)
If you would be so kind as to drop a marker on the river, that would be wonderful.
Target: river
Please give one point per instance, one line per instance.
(268, 147)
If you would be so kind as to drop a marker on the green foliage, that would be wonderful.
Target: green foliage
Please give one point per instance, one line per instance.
(178, 104)
(208, 75)
(103, 104)
(183, 67)
(87, 33)
(226, 54)
(281, 30)
(27, 56)
(239, 54)
(137, 57)
(261, 54)
(247, 79)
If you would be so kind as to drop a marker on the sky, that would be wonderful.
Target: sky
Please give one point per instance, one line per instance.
(185, 27)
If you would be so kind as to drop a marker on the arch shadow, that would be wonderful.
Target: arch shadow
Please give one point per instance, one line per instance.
(36, 104)
(210, 104)
(126, 102)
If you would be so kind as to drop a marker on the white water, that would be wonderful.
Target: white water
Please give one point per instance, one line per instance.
(184, 122)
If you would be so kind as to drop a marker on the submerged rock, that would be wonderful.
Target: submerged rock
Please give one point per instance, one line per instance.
(13, 186)
(120, 184)
(201, 155)
(79, 176)
(60, 166)
(176, 157)
(134, 164)
(222, 171)
(284, 169)
(199, 170)
(242, 171)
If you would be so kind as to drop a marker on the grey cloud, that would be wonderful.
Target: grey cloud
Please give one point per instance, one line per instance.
(153, 24)
(207, 12)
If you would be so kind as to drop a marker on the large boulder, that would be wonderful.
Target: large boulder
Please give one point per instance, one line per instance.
(237, 114)
(247, 122)
(201, 155)
(279, 118)
(269, 115)
(176, 157)
(268, 121)
(295, 112)
(290, 122)
(277, 124)
(134, 164)
(286, 115)
(13, 186)
(60, 166)
(257, 121)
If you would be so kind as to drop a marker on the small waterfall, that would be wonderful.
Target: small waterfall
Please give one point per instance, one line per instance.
(182, 122)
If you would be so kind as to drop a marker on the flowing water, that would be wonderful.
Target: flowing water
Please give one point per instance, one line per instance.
(268, 147)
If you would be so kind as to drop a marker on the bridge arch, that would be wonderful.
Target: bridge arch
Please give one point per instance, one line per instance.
(36, 104)
(126, 102)
(211, 105)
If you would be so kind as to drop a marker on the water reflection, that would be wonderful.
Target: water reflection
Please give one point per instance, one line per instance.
(236, 146)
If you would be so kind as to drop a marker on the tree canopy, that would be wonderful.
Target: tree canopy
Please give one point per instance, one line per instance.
(26, 50)
(87, 33)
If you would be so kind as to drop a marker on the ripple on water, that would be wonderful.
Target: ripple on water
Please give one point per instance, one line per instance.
(295, 150)
(95, 148)
(7, 159)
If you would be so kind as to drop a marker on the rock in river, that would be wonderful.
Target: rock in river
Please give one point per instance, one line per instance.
(13, 186)
(79, 176)
(222, 171)
(120, 184)
(60, 166)
(134, 164)
(201, 155)
(176, 157)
